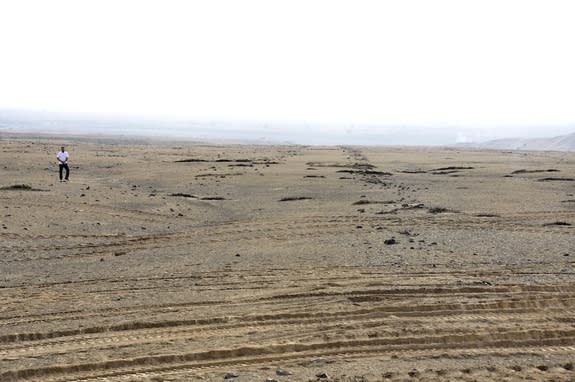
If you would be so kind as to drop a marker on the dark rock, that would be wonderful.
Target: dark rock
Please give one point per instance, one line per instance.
(390, 241)
(413, 373)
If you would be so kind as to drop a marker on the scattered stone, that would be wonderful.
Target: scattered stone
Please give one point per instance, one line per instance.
(269, 379)
(557, 223)
(413, 373)
(488, 216)
(212, 198)
(556, 180)
(524, 171)
(283, 372)
(358, 226)
(293, 198)
(322, 375)
(184, 195)
(390, 241)
(231, 375)
(25, 187)
(450, 168)
(438, 210)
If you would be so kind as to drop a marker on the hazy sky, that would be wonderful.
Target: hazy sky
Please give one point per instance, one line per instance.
(385, 62)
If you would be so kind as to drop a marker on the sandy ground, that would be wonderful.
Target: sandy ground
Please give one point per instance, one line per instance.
(191, 262)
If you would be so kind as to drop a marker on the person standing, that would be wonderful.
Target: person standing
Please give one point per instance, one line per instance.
(63, 157)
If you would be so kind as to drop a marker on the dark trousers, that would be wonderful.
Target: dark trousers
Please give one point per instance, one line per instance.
(64, 166)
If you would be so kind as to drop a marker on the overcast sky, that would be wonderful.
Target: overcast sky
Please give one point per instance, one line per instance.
(474, 63)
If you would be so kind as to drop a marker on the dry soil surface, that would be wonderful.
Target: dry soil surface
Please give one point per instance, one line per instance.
(197, 262)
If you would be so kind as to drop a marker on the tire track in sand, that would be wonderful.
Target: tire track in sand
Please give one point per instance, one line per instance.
(355, 318)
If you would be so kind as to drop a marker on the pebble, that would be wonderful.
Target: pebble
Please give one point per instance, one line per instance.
(283, 372)
(322, 375)
(231, 375)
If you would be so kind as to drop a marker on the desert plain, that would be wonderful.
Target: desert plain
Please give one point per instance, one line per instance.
(181, 261)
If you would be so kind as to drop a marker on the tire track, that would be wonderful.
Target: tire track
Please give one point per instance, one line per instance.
(257, 355)
(341, 332)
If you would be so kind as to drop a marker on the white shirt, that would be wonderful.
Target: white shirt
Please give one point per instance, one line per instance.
(63, 156)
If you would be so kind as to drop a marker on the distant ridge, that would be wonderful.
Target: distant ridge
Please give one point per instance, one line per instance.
(148, 129)
(560, 143)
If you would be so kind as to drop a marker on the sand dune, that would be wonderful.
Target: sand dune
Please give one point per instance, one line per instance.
(559, 143)
(287, 263)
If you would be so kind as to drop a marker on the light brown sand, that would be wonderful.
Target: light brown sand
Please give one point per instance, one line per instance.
(246, 259)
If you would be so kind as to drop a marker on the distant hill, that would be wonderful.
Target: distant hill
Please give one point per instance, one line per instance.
(137, 128)
(560, 143)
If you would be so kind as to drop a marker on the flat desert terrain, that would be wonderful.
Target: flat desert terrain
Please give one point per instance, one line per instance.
(197, 262)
